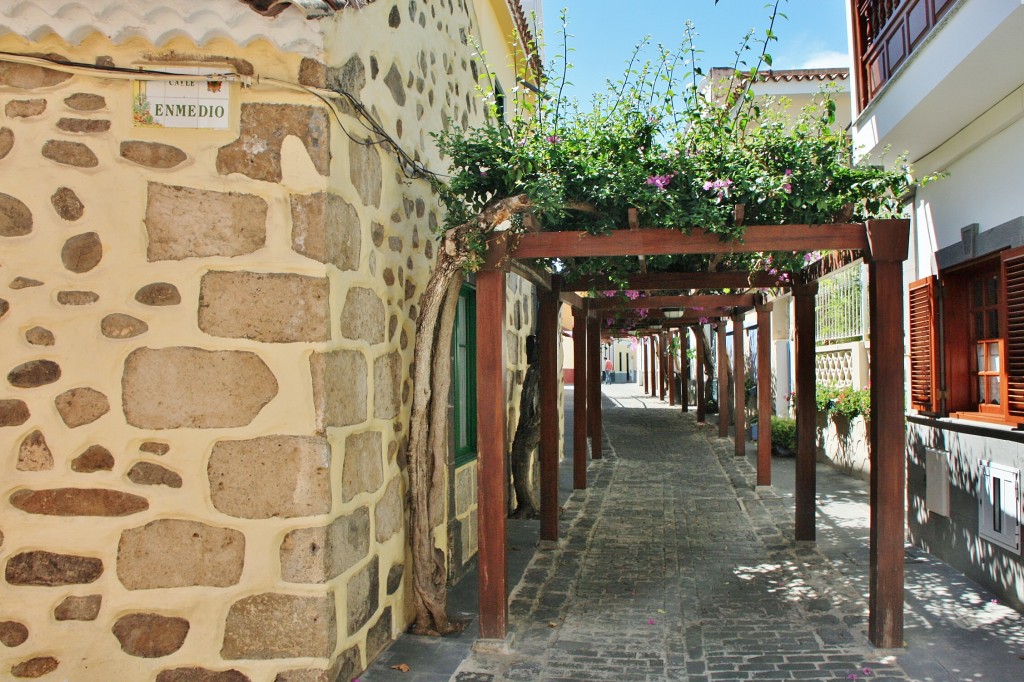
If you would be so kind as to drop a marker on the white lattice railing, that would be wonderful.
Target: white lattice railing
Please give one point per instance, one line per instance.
(841, 305)
(843, 364)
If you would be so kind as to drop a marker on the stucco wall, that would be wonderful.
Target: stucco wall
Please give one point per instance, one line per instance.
(207, 344)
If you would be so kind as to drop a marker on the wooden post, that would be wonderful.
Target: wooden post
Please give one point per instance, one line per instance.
(764, 393)
(701, 350)
(739, 380)
(651, 367)
(594, 382)
(888, 239)
(662, 364)
(671, 370)
(492, 474)
(684, 399)
(641, 362)
(723, 382)
(806, 484)
(548, 338)
(579, 399)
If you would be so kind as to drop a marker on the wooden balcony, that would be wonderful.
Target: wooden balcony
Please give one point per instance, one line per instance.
(886, 33)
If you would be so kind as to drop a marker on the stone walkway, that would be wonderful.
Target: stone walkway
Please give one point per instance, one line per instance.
(673, 567)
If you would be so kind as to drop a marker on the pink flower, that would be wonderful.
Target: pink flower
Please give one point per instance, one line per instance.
(868, 672)
(788, 172)
(659, 182)
(632, 294)
(650, 621)
(702, 320)
(851, 676)
(787, 188)
(553, 139)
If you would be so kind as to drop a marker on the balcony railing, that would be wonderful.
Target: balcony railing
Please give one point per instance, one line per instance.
(886, 32)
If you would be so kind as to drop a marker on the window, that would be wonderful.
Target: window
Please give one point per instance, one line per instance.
(999, 505)
(982, 341)
(464, 377)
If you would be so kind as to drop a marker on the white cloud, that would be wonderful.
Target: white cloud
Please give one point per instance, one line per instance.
(823, 59)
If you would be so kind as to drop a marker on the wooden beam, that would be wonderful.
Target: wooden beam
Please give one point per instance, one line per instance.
(492, 475)
(548, 338)
(697, 281)
(660, 302)
(739, 381)
(634, 224)
(701, 350)
(723, 383)
(806, 411)
(574, 300)
(653, 242)
(764, 394)
(537, 277)
(888, 475)
(579, 400)
(594, 383)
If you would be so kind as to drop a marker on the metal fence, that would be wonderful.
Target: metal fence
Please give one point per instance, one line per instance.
(841, 305)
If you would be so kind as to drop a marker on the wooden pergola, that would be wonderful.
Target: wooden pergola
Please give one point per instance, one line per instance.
(883, 244)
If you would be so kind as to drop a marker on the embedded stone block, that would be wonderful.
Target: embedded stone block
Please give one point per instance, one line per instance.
(77, 297)
(184, 387)
(34, 454)
(4, 307)
(395, 578)
(70, 154)
(82, 252)
(35, 667)
(150, 635)
(83, 125)
(201, 675)
(34, 373)
(152, 154)
(40, 336)
(389, 513)
(15, 217)
(122, 326)
(158, 294)
(274, 625)
(12, 633)
(387, 385)
(184, 222)
(346, 667)
(363, 318)
(393, 79)
(179, 553)
(67, 204)
(363, 595)
(6, 141)
(85, 101)
(80, 406)
(363, 471)
(24, 108)
(257, 151)
(365, 172)
(50, 569)
(95, 458)
(78, 502)
(326, 228)
(147, 473)
(13, 412)
(24, 283)
(339, 388)
(268, 307)
(79, 608)
(283, 476)
(316, 555)
(30, 77)
(379, 635)
(154, 448)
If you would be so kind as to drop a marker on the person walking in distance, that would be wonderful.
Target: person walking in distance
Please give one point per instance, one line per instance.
(608, 371)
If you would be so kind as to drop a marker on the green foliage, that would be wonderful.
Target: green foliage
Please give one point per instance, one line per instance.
(682, 152)
(784, 433)
(843, 401)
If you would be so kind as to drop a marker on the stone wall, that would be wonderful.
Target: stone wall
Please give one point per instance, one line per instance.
(207, 339)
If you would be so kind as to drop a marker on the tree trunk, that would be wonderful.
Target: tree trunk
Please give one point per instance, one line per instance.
(526, 440)
(428, 424)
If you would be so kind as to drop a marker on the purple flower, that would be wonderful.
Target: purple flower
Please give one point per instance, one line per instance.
(788, 172)
(702, 320)
(553, 139)
(868, 672)
(787, 188)
(660, 182)
(632, 294)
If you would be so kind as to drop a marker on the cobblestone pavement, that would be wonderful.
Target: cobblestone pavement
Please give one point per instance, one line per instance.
(673, 567)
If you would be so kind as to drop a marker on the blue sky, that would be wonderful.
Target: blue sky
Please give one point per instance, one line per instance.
(605, 31)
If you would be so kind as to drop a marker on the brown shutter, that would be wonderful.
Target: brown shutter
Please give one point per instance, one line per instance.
(1012, 322)
(923, 338)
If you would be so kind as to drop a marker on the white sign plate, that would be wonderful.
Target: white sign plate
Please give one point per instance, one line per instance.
(185, 103)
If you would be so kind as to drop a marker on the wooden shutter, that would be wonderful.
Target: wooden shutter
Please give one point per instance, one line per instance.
(1012, 323)
(923, 338)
